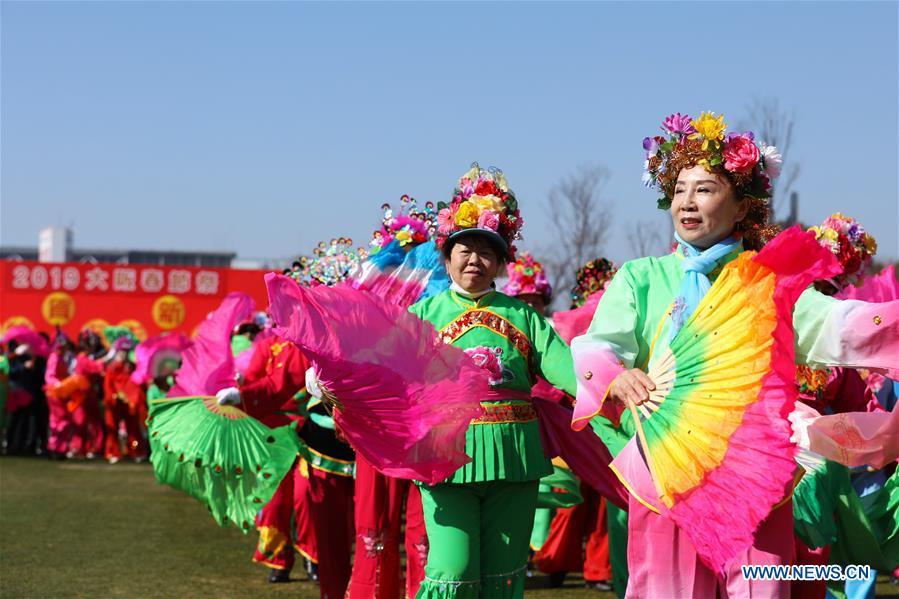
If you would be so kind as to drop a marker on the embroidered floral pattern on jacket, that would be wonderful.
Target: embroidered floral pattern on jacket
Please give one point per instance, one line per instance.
(490, 359)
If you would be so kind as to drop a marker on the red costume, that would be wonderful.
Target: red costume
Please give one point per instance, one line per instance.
(61, 428)
(78, 395)
(275, 374)
(126, 406)
(277, 371)
(379, 509)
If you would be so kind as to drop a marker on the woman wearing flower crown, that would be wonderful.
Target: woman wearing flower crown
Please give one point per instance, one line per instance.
(479, 520)
(716, 187)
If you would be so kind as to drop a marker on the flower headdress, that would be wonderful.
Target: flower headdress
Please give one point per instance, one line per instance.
(850, 243)
(410, 226)
(592, 277)
(482, 202)
(331, 263)
(687, 142)
(526, 275)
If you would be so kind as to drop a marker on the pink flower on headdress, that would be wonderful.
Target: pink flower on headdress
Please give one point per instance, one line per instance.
(677, 123)
(467, 188)
(445, 222)
(488, 220)
(740, 154)
(488, 358)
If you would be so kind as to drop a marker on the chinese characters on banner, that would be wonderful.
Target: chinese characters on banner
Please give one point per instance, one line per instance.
(149, 299)
(105, 278)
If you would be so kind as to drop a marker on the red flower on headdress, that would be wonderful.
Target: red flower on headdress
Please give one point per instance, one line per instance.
(848, 256)
(486, 187)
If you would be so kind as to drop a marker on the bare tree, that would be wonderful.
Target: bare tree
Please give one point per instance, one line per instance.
(648, 238)
(577, 215)
(774, 126)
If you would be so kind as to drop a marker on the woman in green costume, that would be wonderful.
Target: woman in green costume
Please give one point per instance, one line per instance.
(479, 520)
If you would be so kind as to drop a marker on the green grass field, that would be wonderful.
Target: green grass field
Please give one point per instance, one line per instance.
(88, 529)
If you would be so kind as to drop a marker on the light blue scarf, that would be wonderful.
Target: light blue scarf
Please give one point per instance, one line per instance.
(697, 265)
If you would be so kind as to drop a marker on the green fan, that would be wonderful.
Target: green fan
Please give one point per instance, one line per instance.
(113, 334)
(564, 489)
(219, 455)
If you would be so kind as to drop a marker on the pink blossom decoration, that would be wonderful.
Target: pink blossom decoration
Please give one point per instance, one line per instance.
(467, 188)
(445, 222)
(740, 154)
(488, 220)
(677, 123)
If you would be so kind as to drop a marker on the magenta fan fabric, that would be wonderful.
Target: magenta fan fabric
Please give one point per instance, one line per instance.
(882, 287)
(587, 455)
(27, 336)
(150, 353)
(404, 399)
(208, 364)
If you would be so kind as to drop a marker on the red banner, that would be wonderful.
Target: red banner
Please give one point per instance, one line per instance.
(148, 299)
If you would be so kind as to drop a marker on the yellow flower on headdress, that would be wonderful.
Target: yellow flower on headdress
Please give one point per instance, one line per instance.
(831, 235)
(488, 202)
(710, 128)
(467, 215)
(816, 230)
(870, 244)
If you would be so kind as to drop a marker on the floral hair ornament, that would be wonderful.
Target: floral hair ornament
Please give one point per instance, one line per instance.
(410, 226)
(526, 275)
(330, 264)
(850, 243)
(482, 203)
(685, 142)
(592, 277)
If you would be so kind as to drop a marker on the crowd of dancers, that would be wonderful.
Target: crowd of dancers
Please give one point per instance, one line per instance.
(669, 471)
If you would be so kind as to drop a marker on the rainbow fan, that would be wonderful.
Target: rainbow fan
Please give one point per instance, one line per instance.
(715, 433)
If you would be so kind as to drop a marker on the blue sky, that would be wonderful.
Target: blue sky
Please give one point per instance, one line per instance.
(264, 127)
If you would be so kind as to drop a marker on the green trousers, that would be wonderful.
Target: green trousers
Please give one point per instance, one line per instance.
(617, 520)
(478, 535)
(542, 519)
